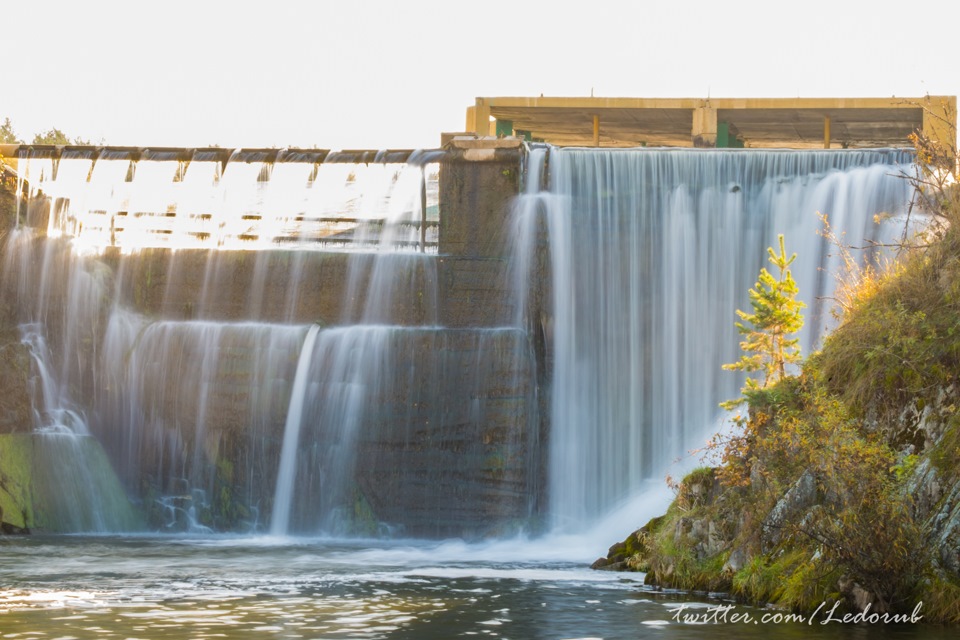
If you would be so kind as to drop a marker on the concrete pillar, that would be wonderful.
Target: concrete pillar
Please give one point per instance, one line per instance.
(826, 132)
(476, 200)
(471, 124)
(481, 118)
(704, 131)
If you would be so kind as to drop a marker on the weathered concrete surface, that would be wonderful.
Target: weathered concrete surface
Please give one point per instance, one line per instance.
(476, 200)
(450, 446)
(15, 412)
(271, 286)
(446, 441)
(453, 435)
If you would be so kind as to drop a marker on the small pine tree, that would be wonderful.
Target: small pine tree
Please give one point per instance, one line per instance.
(7, 134)
(52, 136)
(767, 344)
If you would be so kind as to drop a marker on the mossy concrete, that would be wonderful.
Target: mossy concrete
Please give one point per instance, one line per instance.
(60, 483)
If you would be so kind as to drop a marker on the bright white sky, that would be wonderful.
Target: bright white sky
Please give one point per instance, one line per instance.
(379, 73)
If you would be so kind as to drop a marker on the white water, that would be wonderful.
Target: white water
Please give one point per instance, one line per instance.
(391, 420)
(286, 473)
(648, 254)
(172, 393)
(71, 482)
(54, 411)
(651, 253)
(251, 201)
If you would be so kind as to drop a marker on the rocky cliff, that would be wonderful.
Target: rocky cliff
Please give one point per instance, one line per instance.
(843, 482)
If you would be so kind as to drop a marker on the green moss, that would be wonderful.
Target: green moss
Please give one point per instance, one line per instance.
(365, 521)
(61, 484)
(700, 475)
(905, 468)
(227, 512)
(74, 487)
(16, 458)
(793, 579)
(695, 488)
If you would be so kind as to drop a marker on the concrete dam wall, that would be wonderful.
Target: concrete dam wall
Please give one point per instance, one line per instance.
(471, 342)
(420, 410)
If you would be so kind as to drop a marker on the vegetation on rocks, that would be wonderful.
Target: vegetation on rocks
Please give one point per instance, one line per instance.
(842, 481)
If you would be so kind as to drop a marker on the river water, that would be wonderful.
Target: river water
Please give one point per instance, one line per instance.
(270, 587)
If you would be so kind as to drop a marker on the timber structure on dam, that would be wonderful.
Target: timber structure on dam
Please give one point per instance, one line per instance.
(792, 123)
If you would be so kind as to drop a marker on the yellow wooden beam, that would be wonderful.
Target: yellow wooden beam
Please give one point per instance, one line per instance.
(596, 130)
(826, 132)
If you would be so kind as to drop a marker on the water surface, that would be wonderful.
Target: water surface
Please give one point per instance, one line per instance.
(268, 587)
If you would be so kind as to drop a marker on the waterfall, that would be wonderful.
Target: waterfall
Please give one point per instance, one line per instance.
(371, 391)
(420, 430)
(71, 484)
(257, 337)
(241, 378)
(650, 253)
(242, 199)
(195, 406)
(283, 496)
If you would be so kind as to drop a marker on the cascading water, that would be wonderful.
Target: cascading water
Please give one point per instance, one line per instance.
(70, 481)
(188, 364)
(318, 389)
(283, 496)
(650, 253)
(398, 422)
(177, 397)
(376, 386)
(305, 392)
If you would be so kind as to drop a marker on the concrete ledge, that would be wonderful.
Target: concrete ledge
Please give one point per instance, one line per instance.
(485, 142)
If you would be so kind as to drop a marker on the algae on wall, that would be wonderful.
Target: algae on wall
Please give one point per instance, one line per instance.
(61, 483)
(16, 457)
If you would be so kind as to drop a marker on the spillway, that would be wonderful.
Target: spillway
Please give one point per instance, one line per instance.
(298, 342)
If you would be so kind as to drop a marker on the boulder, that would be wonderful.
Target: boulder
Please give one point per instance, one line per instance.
(790, 508)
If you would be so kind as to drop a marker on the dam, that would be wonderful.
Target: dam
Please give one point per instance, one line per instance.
(489, 339)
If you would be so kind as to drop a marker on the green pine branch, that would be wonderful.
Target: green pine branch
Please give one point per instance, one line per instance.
(767, 343)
